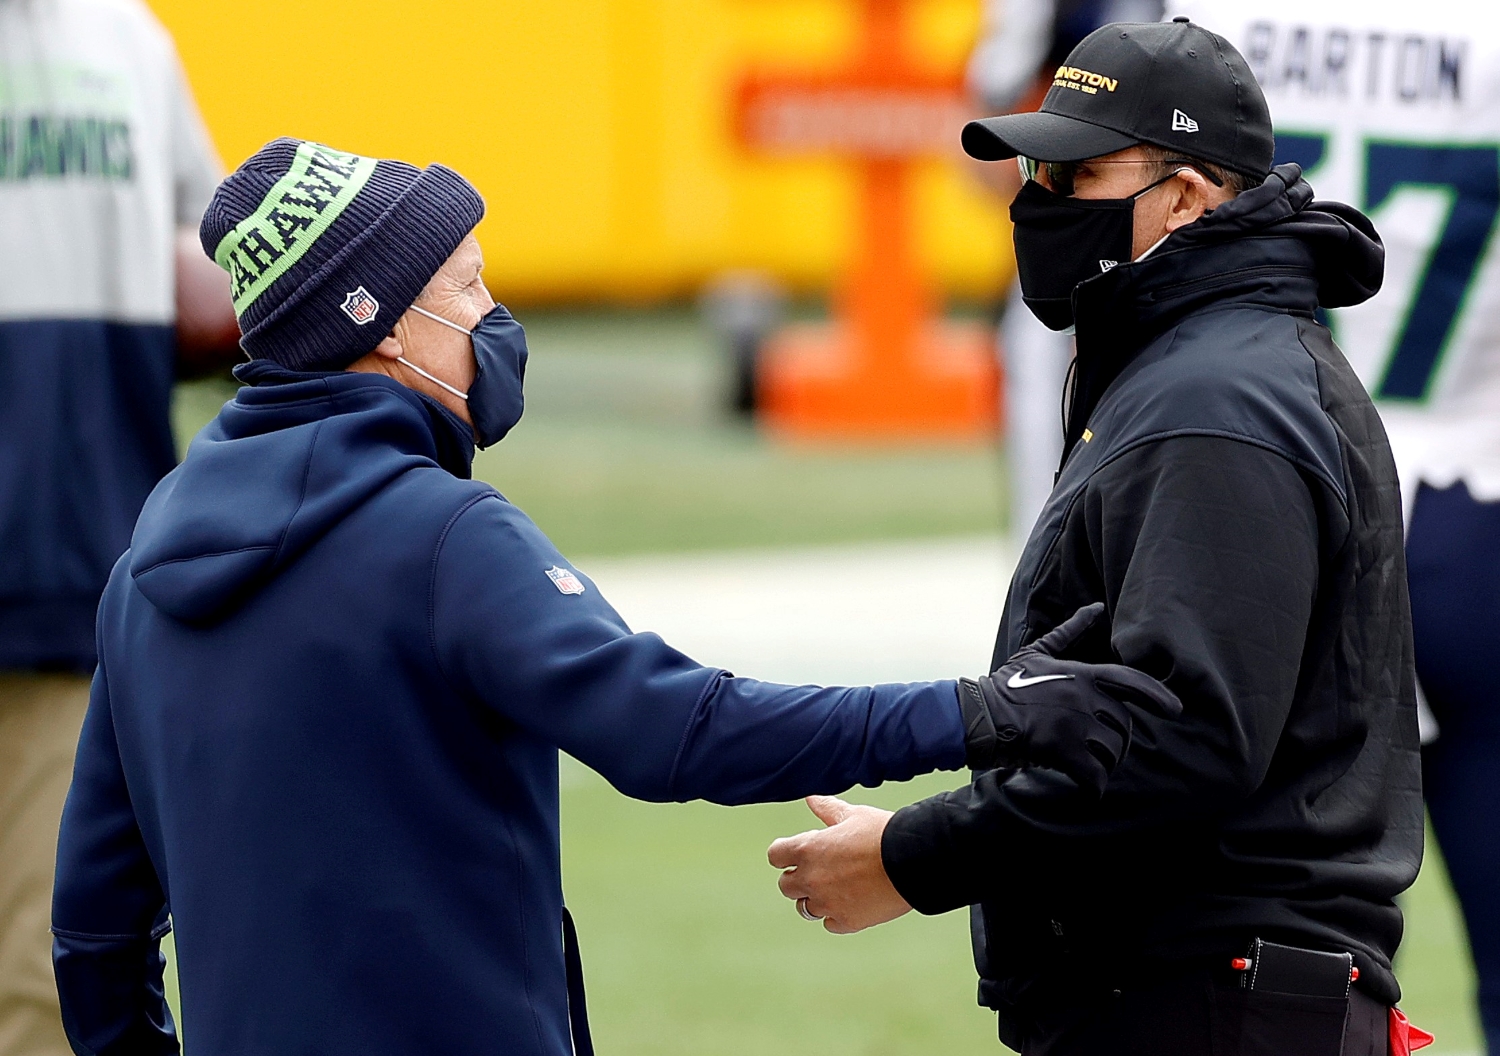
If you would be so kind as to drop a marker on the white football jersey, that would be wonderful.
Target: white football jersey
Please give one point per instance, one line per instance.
(1394, 107)
(102, 156)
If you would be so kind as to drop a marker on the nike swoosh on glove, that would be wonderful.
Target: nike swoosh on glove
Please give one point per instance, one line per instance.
(1039, 710)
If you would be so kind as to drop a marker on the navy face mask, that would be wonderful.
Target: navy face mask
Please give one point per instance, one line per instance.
(495, 399)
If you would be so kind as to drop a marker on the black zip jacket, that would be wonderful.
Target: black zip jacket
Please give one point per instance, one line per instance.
(1229, 494)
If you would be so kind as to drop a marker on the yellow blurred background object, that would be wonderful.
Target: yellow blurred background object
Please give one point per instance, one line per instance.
(599, 131)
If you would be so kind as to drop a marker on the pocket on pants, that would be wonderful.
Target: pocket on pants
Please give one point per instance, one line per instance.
(1259, 1023)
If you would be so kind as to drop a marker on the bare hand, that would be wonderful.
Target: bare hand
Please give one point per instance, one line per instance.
(838, 869)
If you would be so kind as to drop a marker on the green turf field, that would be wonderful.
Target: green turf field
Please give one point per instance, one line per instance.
(689, 947)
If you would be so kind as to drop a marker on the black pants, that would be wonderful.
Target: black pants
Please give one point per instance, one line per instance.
(1203, 1016)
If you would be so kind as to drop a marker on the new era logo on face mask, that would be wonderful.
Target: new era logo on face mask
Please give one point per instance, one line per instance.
(1182, 123)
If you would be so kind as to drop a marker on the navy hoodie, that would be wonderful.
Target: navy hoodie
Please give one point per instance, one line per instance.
(334, 677)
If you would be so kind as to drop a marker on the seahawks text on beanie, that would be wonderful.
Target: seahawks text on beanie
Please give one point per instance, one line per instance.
(326, 250)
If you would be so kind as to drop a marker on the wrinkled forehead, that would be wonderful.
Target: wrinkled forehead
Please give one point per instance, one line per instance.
(463, 265)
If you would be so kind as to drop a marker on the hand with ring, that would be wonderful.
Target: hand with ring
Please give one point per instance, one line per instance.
(839, 868)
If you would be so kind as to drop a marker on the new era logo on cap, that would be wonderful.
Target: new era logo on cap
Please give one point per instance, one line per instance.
(1182, 123)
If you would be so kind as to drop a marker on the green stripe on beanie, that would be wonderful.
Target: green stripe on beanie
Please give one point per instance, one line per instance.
(299, 208)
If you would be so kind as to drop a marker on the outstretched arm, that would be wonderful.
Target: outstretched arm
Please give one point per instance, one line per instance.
(519, 629)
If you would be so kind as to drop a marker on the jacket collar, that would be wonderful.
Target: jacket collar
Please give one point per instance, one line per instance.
(1272, 247)
(452, 439)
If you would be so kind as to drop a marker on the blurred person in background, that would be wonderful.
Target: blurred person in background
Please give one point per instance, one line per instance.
(1009, 71)
(1396, 106)
(335, 673)
(103, 164)
(1229, 505)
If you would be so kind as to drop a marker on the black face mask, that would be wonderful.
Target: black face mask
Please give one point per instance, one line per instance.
(1062, 241)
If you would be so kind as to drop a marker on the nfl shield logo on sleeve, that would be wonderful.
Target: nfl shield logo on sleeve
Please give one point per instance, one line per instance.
(564, 580)
(360, 306)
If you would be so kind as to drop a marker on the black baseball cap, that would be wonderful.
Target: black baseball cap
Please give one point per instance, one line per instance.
(1173, 84)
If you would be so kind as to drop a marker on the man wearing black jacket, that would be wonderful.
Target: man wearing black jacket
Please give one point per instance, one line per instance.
(1226, 520)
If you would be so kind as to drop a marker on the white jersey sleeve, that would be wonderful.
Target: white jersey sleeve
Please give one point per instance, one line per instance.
(1394, 108)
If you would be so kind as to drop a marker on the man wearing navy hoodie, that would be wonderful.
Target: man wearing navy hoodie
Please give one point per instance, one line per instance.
(335, 672)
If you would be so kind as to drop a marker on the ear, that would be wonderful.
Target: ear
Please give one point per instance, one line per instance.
(1191, 200)
(389, 347)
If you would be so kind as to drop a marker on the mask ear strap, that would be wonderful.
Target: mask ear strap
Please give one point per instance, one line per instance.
(436, 381)
(449, 323)
(1154, 246)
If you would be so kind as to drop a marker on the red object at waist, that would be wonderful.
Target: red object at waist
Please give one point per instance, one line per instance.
(1406, 1038)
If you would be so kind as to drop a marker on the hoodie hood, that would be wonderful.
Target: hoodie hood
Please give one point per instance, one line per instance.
(1220, 257)
(1273, 246)
(1346, 253)
(286, 460)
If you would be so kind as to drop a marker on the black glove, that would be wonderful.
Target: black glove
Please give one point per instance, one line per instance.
(1038, 710)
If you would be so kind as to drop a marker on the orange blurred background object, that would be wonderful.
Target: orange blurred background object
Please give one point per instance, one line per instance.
(887, 365)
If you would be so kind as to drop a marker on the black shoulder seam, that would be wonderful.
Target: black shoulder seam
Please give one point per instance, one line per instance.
(1223, 434)
(1318, 377)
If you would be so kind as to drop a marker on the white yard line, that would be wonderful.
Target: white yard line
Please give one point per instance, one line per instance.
(878, 612)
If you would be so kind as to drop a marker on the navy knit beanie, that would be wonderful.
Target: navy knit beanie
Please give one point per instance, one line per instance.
(326, 250)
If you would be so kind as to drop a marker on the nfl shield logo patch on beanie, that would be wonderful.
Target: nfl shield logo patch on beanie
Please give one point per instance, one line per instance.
(361, 307)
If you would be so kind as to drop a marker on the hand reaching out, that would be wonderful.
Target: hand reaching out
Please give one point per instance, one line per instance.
(838, 870)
